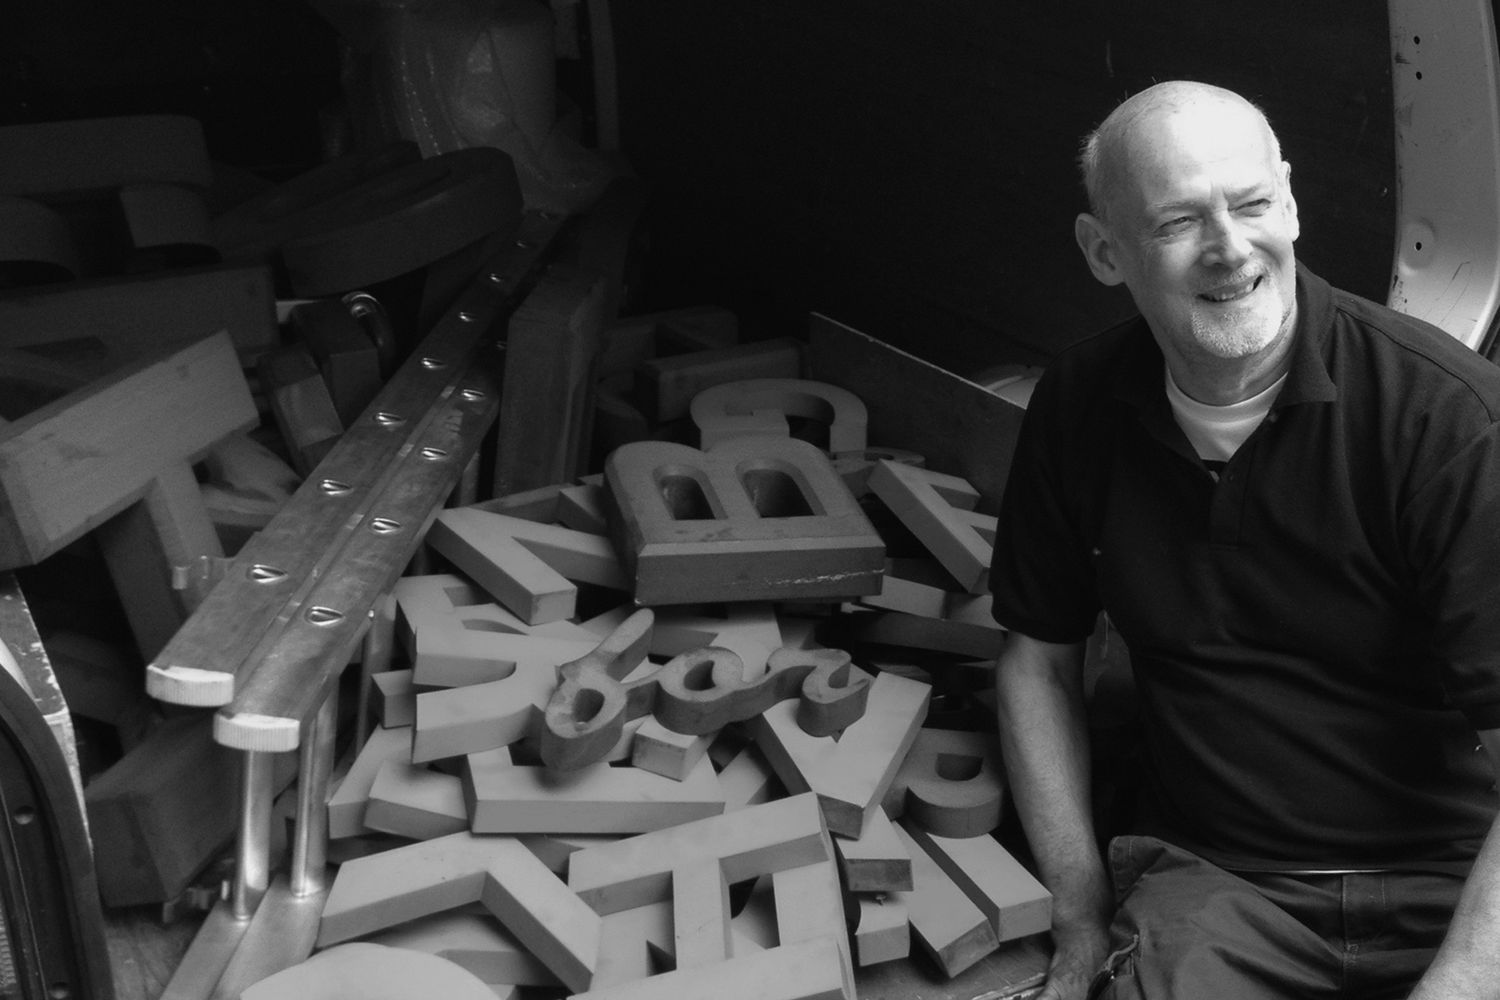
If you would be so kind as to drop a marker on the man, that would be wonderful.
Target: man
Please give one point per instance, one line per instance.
(1287, 499)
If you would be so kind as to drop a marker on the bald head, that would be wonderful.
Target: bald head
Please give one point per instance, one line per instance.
(1194, 215)
(1110, 150)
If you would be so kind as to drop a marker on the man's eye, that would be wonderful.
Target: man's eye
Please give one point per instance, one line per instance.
(1257, 207)
(1177, 225)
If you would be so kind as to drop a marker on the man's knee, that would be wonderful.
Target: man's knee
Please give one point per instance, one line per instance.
(1186, 928)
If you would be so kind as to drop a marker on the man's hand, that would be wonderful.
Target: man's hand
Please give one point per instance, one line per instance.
(1078, 953)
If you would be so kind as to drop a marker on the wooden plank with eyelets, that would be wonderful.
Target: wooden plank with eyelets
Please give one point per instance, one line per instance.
(267, 586)
(302, 664)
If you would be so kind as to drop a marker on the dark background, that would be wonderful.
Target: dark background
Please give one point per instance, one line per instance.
(906, 167)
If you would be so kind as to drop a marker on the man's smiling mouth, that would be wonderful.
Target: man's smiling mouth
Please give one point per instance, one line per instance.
(1229, 293)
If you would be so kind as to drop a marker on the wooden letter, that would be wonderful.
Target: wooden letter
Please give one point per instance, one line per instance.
(700, 913)
(747, 779)
(588, 710)
(524, 565)
(809, 906)
(883, 931)
(951, 783)
(696, 694)
(347, 804)
(452, 657)
(939, 510)
(812, 970)
(473, 940)
(759, 406)
(1009, 896)
(477, 717)
(948, 925)
(849, 775)
(510, 798)
(667, 752)
(877, 861)
(755, 841)
(752, 519)
(636, 339)
(410, 801)
(667, 386)
(374, 971)
(394, 698)
(385, 889)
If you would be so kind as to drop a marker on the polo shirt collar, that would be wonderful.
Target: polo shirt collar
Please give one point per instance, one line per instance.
(1307, 378)
(1139, 379)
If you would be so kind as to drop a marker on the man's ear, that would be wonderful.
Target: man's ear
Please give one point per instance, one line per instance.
(1098, 249)
(1290, 202)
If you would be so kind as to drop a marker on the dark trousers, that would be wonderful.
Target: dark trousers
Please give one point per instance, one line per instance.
(1188, 930)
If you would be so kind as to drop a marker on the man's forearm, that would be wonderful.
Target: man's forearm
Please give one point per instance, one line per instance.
(1465, 966)
(1044, 739)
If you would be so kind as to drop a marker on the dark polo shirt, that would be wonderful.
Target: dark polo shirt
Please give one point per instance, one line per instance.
(1316, 632)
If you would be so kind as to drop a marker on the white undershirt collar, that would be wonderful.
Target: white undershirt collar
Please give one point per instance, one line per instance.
(1216, 432)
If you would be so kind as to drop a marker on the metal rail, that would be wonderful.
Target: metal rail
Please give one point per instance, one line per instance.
(268, 644)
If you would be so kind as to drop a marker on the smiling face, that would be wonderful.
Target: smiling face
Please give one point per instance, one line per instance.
(1198, 224)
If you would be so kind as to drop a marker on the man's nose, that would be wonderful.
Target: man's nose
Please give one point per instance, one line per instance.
(1228, 241)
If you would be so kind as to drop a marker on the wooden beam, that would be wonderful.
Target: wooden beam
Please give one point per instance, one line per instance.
(137, 315)
(71, 465)
(915, 405)
(301, 405)
(546, 401)
(165, 810)
(154, 550)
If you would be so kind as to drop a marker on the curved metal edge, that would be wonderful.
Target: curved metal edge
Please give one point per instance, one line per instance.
(53, 914)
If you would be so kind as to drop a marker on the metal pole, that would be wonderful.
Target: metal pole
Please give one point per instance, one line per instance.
(467, 490)
(252, 870)
(310, 843)
(379, 650)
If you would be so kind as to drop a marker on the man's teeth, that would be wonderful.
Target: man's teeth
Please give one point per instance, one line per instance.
(1234, 292)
